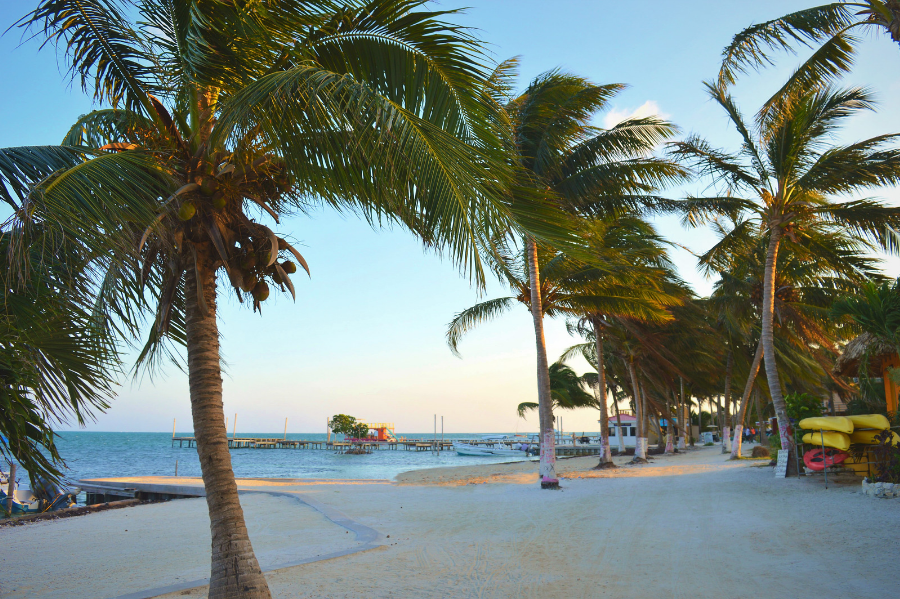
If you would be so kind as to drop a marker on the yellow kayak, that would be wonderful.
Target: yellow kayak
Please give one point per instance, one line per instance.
(832, 439)
(876, 421)
(828, 423)
(868, 437)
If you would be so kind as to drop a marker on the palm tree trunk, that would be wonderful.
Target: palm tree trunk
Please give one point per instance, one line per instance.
(745, 401)
(645, 417)
(785, 430)
(605, 453)
(639, 454)
(682, 443)
(759, 416)
(235, 572)
(669, 446)
(547, 469)
(620, 437)
(729, 367)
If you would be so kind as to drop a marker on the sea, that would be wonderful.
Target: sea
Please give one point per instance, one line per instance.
(108, 455)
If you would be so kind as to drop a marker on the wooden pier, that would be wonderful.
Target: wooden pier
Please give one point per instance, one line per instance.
(369, 446)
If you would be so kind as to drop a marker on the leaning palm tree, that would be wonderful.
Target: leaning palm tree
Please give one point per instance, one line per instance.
(832, 25)
(219, 113)
(783, 179)
(570, 164)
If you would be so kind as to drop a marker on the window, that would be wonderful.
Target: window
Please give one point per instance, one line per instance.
(612, 431)
(633, 431)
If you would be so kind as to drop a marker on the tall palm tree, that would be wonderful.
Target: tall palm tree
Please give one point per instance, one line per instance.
(832, 25)
(585, 170)
(783, 180)
(219, 111)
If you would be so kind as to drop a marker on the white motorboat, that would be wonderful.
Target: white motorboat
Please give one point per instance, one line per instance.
(495, 451)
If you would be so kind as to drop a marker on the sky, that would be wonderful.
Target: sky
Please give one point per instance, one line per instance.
(366, 334)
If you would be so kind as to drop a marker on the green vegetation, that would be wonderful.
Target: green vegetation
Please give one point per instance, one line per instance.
(348, 426)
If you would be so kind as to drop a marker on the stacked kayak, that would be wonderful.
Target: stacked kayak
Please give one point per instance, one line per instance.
(837, 433)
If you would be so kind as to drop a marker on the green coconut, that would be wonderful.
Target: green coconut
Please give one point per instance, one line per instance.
(276, 277)
(187, 211)
(249, 261)
(209, 185)
(219, 201)
(289, 267)
(261, 291)
(248, 282)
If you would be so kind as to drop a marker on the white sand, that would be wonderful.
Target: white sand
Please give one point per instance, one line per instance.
(692, 525)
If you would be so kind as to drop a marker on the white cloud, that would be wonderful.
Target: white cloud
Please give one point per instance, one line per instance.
(617, 115)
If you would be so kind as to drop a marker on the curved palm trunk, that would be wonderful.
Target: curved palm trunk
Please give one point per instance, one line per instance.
(729, 367)
(759, 416)
(605, 452)
(768, 340)
(745, 401)
(620, 437)
(235, 572)
(547, 468)
(639, 453)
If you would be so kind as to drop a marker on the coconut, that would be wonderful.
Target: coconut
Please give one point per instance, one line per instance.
(219, 201)
(282, 244)
(261, 291)
(187, 211)
(249, 261)
(289, 267)
(248, 281)
(276, 277)
(209, 185)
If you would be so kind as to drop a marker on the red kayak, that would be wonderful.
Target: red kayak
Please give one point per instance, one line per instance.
(817, 461)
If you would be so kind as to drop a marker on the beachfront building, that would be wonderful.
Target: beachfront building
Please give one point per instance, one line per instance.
(628, 431)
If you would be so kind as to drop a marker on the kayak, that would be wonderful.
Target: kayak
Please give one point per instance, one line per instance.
(868, 437)
(828, 423)
(876, 421)
(831, 439)
(817, 461)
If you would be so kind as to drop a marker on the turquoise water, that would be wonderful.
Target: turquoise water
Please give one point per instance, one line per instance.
(95, 454)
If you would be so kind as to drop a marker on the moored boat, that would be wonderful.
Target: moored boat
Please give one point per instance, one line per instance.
(498, 450)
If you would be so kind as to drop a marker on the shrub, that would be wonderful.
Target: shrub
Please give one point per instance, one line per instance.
(887, 458)
(802, 405)
(348, 426)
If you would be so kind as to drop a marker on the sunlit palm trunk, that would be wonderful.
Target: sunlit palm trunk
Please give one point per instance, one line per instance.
(683, 422)
(768, 340)
(639, 454)
(729, 367)
(547, 468)
(235, 572)
(745, 401)
(759, 416)
(605, 452)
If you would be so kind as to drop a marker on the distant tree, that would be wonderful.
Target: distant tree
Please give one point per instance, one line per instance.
(348, 426)
(802, 405)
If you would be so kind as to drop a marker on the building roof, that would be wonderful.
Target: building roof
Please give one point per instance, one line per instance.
(624, 417)
(847, 363)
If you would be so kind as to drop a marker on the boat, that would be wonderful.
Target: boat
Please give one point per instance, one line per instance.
(48, 497)
(498, 450)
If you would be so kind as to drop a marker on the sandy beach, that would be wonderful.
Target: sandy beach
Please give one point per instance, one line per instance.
(690, 525)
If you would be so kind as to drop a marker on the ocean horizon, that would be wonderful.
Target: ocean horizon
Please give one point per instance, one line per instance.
(94, 454)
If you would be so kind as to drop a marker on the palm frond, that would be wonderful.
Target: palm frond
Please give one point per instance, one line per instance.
(471, 317)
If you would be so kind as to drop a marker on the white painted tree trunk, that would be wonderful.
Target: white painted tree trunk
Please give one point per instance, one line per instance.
(605, 453)
(620, 436)
(745, 401)
(547, 468)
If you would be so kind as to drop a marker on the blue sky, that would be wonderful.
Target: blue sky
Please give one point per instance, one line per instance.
(366, 335)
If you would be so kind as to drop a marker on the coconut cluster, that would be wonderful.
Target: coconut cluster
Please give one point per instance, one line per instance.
(210, 209)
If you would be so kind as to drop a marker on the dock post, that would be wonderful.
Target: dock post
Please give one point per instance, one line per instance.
(285, 430)
(173, 432)
(234, 426)
(442, 433)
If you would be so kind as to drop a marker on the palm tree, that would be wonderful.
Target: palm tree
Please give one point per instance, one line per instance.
(587, 171)
(782, 180)
(567, 390)
(56, 363)
(378, 108)
(832, 25)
